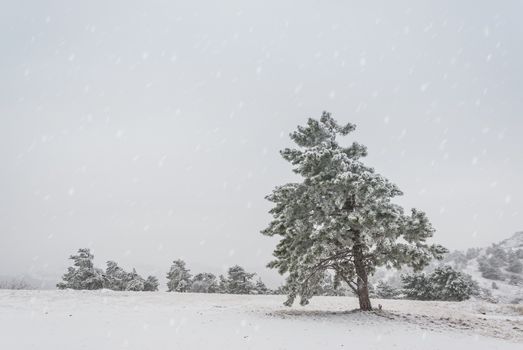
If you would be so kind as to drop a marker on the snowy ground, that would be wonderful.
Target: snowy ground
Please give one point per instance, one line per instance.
(121, 320)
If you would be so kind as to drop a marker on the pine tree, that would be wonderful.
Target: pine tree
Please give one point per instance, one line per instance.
(179, 278)
(239, 281)
(151, 284)
(135, 282)
(83, 275)
(444, 283)
(451, 285)
(222, 285)
(417, 287)
(340, 216)
(260, 287)
(386, 291)
(204, 283)
(115, 277)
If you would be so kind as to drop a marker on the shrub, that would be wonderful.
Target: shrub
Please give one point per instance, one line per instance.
(444, 283)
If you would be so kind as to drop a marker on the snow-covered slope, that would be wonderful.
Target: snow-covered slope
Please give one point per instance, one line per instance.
(514, 242)
(158, 320)
(504, 285)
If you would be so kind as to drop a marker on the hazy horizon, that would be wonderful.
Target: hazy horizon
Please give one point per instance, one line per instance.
(150, 131)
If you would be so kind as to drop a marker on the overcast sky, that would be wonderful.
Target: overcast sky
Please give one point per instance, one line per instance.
(150, 130)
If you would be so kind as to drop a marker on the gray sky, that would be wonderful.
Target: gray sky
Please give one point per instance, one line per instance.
(150, 130)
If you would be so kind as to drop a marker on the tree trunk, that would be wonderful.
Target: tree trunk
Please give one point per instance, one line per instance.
(361, 272)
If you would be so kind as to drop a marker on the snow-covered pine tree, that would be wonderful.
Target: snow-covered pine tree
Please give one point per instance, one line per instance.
(179, 278)
(83, 275)
(135, 282)
(444, 283)
(204, 283)
(386, 291)
(260, 287)
(115, 277)
(239, 281)
(451, 285)
(222, 285)
(416, 287)
(340, 216)
(151, 284)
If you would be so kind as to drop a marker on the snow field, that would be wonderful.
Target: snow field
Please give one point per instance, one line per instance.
(159, 320)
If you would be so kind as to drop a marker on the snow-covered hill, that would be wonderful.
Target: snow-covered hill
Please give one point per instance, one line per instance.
(159, 320)
(514, 242)
(498, 269)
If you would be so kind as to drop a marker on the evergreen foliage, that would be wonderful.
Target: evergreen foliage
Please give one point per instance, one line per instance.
(386, 291)
(151, 284)
(178, 277)
(238, 281)
(135, 282)
(83, 275)
(490, 269)
(340, 217)
(115, 277)
(417, 287)
(260, 287)
(222, 285)
(514, 264)
(204, 283)
(444, 283)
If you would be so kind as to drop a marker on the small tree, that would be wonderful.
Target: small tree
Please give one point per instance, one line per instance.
(386, 291)
(340, 217)
(82, 275)
(204, 283)
(238, 281)
(179, 278)
(151, 284)
(260, 287)
(115, 277)
(449, 284)
(135, 282)
(417, 287)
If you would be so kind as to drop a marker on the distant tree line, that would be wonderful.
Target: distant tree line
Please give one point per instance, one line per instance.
(83, 275)
(237, 281)
(16, 284)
